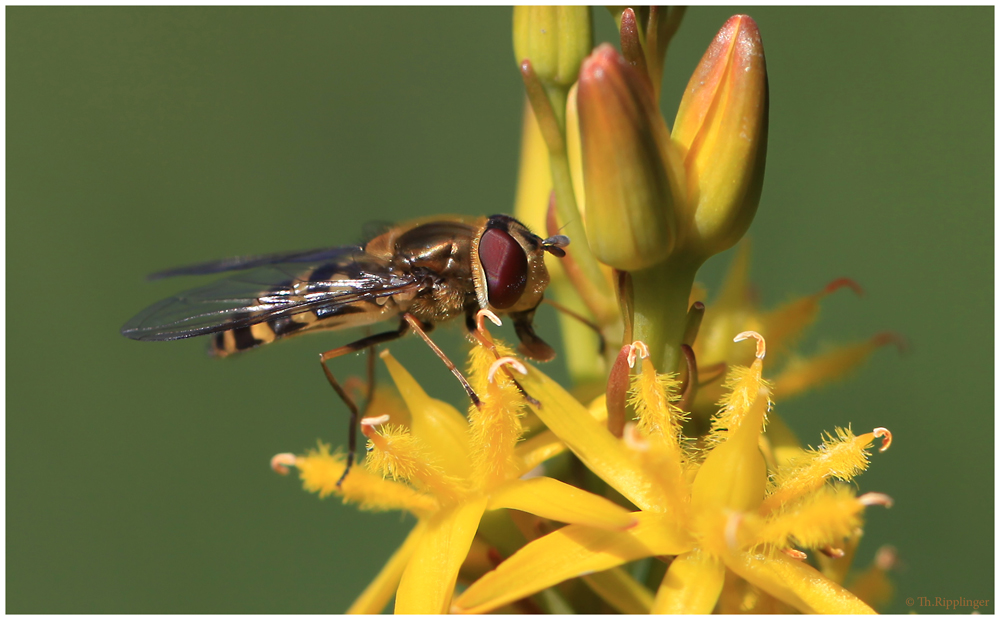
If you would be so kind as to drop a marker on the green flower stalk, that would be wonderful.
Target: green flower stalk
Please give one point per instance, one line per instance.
(549, 45)
(721, 132)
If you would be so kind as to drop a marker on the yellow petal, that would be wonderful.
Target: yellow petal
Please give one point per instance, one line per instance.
(800, 375)
(734, 475)
(591, 441)
(620, 590)
(784, 324)
(570, 552)
(438, 425)
(784, 445)
(375, 597)
(428, 582)
(796, 583)
(873, 586)
(691, 586)
(552, 499)
(533, 452)
(836, 568)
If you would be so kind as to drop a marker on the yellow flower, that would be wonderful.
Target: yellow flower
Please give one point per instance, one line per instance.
(722, 499)
(713, 508)
(447, 471)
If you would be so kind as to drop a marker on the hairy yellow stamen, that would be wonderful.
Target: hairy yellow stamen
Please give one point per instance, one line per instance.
(495, 425)
(742, 386)
(842, 457)
(320, 470)
(821, 519)
(653, 396)
(396, 453)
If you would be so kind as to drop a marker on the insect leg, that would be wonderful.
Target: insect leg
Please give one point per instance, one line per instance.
(370, 358)
(369, 343)
(418, 327)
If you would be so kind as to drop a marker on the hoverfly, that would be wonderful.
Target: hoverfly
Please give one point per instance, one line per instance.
(421, 273)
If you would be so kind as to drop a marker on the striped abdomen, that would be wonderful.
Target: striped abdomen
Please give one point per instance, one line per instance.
(355, 314)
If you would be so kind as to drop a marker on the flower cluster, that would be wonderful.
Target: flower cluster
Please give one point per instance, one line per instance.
(664, 481)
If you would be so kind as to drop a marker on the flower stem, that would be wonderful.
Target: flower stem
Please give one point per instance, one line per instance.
(660, 314)
(549, 106)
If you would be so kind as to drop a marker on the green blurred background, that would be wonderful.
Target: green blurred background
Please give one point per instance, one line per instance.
(143, 138)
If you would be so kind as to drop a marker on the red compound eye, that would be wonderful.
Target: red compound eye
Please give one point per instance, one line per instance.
(506, 267)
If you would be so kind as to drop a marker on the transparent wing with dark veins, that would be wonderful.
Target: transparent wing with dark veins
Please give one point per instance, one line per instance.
(264, 291)
(304, 257)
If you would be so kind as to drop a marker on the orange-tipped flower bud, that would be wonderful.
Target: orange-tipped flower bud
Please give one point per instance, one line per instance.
(722, 127)
(632, 172)
(555, 39)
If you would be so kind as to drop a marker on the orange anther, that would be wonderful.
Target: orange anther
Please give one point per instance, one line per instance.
(875, 499)
(886, 437)
(832, 552)
(883, 338)
(281, 462)
(840, 283)
(368, 424)
(497, 365)
(488, 314)
(733, 524)
(638, 348)
(886, 558)
(633, 439)
(761, 347)
(795, 554)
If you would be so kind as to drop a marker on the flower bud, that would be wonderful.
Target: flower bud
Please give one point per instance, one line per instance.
(555, 39)
(721, 126)
(632, 172)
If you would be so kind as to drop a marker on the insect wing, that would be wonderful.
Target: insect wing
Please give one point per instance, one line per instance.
(269, 291)
(305, 258)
